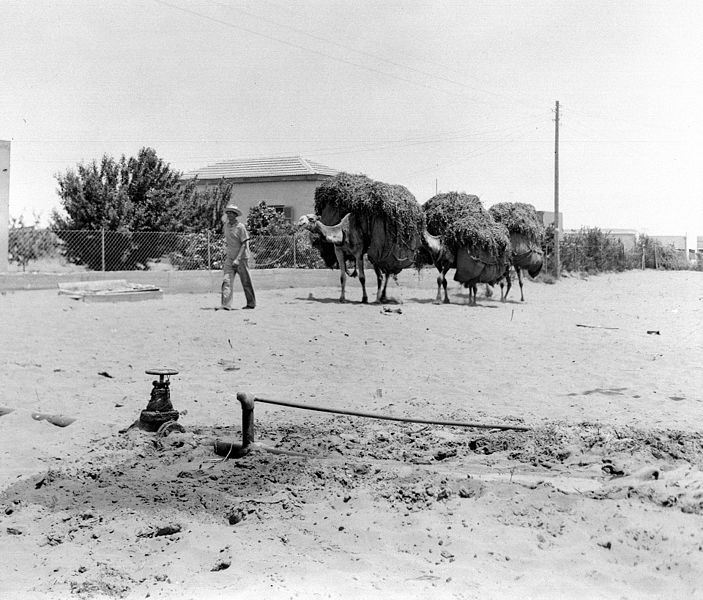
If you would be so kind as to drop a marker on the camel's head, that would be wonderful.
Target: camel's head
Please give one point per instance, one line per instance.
(307, 221)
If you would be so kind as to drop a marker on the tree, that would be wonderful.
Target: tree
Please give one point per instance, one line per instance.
(30, 243)
(129, 194)
(123, 197)
(201, 213)
(266, 220)
(203, 209)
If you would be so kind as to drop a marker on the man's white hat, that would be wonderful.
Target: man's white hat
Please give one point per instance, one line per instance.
(233, 208)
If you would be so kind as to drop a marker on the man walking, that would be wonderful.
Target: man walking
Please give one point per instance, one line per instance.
(237, 259)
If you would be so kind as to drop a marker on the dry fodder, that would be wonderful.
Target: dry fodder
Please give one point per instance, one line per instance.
(519, 218)
(460, 220)
(365, 197)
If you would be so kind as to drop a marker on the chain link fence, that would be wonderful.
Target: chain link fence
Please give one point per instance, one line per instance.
(43, 250)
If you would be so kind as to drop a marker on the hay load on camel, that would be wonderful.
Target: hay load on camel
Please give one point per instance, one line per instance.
(526, 236)
(373, 201)
(467, 238)
(382, 221)
(520, 219)
(461, 221)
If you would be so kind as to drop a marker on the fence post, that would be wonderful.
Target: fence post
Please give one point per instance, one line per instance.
(295, 261)
(209, 261)
(102, 238)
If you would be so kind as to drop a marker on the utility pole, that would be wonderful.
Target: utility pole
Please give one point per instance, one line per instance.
(4, 204)
(557, 258)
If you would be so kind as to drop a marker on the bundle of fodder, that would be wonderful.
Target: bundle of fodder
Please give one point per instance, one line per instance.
(391, 217)
(520, 218)
(332, 201)
(341, 194)
(461, 221)
(365, 197)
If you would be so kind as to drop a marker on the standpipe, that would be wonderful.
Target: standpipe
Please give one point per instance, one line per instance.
(248, 402)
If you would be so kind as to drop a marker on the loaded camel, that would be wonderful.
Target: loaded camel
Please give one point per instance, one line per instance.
(442, 258)
(526, 255)
(477, 267)
(346, 240)
(474, 267)
(526, 232)
(383, 222)
(462, 235)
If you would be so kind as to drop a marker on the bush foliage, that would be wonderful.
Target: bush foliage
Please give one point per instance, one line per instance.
(592, 250)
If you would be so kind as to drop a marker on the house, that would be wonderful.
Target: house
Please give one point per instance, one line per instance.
(628, 237)
(286, 183)
(677, 241)
(547, 218)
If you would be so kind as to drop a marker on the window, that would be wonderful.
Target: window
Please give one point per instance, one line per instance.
(286, 211)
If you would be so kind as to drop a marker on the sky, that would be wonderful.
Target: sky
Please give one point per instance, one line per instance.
(436, 95)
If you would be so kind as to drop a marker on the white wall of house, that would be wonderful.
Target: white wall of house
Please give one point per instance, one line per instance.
(299, 195)
(628, 238)
(677, 241)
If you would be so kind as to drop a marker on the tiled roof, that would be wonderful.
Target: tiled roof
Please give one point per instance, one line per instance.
(281, 166)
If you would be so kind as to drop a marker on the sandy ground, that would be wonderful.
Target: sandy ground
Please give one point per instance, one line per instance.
(601, 498)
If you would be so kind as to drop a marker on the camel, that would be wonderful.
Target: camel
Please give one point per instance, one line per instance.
(526, 255)
(386, 252)
(385, 222)
(346, 240)
(474, 267)
(372, 236)
(443, 260)
(525, 229)
(471, 269)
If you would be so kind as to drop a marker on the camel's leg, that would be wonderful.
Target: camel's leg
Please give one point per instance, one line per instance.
(384, 298)
(473, 289)
(342, 271)
(362, 278)
(440, 281)
(519, 278)
(444, 284)
(502, 285)
(509, 282)
(379, 284)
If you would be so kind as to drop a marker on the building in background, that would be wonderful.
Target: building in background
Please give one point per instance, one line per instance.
(286, 183)
(628, 237)
(677, 241)
(548, 218)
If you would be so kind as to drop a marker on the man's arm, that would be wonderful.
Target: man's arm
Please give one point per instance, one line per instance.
(243, 236)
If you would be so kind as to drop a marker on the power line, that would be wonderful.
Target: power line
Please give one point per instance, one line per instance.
(319, 53)
(477, 152)
(375, 56)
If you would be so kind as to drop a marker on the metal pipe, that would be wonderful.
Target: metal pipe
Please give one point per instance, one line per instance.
(230, 450)
(250, 398)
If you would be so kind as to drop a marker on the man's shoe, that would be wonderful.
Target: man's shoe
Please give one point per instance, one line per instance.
(249, 307)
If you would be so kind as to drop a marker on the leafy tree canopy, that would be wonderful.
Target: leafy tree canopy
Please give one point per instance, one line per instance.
(141, 193)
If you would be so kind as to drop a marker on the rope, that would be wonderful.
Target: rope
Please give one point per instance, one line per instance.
(389, 418)
(530, 251)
